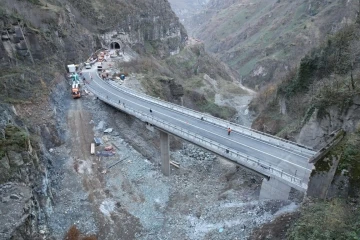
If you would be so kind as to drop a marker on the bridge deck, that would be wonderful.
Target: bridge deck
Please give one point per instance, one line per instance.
(291, 163)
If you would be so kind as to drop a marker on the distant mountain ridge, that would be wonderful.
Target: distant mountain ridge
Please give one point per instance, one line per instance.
(185, 9)
(263, 39)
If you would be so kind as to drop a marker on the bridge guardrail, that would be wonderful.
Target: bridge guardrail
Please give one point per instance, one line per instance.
(220, 149)
(236, 127)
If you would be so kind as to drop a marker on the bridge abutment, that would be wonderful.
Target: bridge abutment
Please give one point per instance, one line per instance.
(274, 189)
(165, 153)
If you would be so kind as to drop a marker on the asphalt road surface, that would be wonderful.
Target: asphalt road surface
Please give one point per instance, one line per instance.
(291, 162)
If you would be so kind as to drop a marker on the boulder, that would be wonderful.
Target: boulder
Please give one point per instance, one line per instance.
(14, 208)
(108, 130)
(15, 159)
(4, 163)
(21, 46)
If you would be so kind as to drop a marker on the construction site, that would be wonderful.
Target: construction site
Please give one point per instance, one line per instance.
(119, 192)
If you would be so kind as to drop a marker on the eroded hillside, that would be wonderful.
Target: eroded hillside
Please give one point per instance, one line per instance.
(263, 40)
(45, 165)
(38, 40)
(318, 104)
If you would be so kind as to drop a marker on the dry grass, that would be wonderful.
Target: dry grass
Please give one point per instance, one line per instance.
(75, 234)
(92, 237)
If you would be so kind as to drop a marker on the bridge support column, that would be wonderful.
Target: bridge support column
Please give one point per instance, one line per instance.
(274, 189)
(165, 153)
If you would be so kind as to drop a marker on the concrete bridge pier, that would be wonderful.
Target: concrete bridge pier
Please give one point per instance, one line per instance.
(274, 189)
(165, 153)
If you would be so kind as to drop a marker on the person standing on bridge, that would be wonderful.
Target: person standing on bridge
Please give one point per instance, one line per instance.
(229, 131)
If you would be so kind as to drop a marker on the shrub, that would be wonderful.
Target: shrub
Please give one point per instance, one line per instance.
(90, 238)
(75, 234)
(326, 220)
(72, 234)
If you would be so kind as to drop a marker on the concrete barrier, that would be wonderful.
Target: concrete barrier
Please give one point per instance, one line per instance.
(223, 123)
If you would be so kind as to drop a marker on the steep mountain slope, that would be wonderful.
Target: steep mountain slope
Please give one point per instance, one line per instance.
(323, 88)
(38, 39)
(319, 98)
(185, 9)
(263, 39)
(318, 104)
(192, 78)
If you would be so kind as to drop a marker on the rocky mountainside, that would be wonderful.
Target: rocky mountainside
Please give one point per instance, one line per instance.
(38, 39)
(318, 104)
(185, 9)
(264, 39)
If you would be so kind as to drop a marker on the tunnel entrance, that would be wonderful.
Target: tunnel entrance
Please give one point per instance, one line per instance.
(114, 45)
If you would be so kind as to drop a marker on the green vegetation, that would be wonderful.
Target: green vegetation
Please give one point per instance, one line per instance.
(153, 86)
(36, 2)
(248, 66)
(24, 85)
(350, 158)
(326, 220)
(149, 48)
(16, 139)
(194, 83)
(188, 69)
(337, 56)
(284, 31)
(327, 76)
(223, 112)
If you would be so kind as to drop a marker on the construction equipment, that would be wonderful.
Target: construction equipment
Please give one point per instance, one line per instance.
(72, 68)
(75, 86)
(75, 77)
(75, 90)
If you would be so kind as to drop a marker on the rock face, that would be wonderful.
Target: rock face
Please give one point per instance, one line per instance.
(154, 28)
(19, 168)
(72, 32)
(321, 182)
(317, 130)
(15, 209)
(38, 40)
(147, 26)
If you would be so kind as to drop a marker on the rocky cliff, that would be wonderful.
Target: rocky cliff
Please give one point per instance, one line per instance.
(317, 99)
(38, 39)
(20, 177)
(72, 30)
(317, 104)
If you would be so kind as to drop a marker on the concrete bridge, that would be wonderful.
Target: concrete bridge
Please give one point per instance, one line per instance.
(283, 163)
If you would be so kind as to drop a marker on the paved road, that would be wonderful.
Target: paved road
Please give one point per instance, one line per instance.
(291, 161)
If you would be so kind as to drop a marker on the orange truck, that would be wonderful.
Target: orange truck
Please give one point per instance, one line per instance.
(101, 56)
(75, 90)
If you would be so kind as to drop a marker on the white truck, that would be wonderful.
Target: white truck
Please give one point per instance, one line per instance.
(87, 65)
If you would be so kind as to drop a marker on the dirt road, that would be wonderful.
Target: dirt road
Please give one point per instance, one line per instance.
(112, 221)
